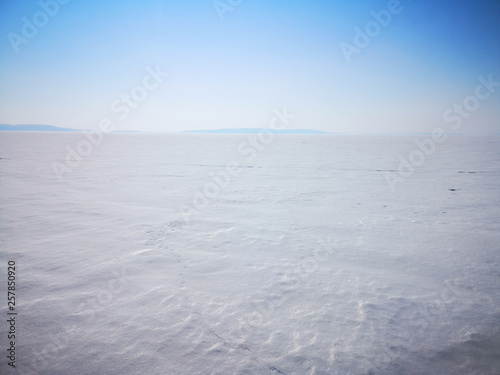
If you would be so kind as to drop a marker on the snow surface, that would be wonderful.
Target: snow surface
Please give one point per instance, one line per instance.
(113, 279)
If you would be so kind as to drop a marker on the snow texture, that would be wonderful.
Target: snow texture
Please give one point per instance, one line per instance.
(305, 262)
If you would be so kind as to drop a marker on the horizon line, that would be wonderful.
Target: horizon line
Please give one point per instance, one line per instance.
(227, 131)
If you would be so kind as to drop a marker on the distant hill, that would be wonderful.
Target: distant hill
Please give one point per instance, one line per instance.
(50, 128)
(255, 131)
(35, 128)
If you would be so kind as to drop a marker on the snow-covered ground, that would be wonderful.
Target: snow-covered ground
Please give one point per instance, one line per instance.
(302, 261)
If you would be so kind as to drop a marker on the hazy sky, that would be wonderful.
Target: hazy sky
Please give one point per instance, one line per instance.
(229, 68)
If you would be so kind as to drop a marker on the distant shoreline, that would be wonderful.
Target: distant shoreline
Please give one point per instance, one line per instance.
(235, 131)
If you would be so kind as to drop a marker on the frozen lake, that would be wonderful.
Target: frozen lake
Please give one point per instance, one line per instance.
(213, 254)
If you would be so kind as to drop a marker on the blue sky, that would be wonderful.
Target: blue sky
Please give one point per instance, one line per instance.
(232, 73)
